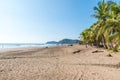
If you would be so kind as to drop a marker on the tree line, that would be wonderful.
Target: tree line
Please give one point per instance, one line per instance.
(106, 30)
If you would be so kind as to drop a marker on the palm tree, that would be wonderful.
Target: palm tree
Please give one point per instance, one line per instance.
(101, 12)
(85, 36)
(104, 12)
(106, 30)
(112, 24)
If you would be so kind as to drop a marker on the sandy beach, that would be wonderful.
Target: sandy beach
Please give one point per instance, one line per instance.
(59, 63)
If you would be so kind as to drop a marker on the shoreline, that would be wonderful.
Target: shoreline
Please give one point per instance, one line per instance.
(15, 45)
(27, 47)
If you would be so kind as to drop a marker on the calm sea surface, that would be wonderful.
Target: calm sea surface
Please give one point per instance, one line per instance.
(14, 45)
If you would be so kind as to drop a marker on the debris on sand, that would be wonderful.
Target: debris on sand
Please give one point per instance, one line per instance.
(96, 51)
(46, 47)
(76, 51)
(70, 45)
(109, 55)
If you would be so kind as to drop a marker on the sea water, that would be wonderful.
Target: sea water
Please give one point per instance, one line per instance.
(20, 45)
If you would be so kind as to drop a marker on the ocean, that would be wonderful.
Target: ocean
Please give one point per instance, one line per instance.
(20, 45)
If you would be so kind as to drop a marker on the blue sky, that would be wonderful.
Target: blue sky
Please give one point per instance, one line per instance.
(38, 21)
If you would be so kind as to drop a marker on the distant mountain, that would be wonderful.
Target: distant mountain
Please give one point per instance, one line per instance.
(52, 42)
(64, 41)
(68, 41)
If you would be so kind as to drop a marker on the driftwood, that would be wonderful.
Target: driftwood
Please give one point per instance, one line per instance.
(96, 51)
(76, 51)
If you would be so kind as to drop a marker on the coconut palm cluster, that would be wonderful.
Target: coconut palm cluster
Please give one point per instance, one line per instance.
(105, 31)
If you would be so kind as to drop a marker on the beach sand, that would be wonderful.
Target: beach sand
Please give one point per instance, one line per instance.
(59, 63)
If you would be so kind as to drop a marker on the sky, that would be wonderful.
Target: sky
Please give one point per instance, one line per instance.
(39, 21)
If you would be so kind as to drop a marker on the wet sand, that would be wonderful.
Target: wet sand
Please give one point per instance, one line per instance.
(59, 63)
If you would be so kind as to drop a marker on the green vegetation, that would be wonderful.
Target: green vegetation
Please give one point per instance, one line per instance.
(68, 41)
(65, 41)
(106, 31)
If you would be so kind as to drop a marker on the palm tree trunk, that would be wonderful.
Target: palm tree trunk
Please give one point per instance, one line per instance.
(104, 42)
(86, 45)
